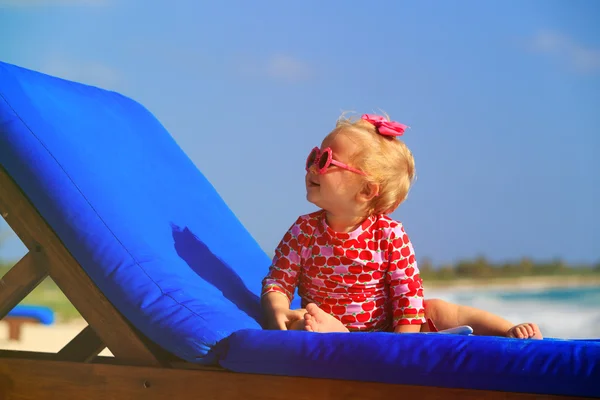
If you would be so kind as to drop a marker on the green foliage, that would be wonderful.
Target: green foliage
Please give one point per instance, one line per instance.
(480, 268)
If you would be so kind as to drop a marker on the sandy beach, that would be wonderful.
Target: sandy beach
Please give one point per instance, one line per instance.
(43, 338)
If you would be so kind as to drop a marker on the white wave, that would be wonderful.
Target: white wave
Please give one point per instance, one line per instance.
(556, 319)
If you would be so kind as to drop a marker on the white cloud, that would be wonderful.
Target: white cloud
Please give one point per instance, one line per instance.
(279, 67)
(580, 57)
(47, 3)
(90, 73)
(288, 68)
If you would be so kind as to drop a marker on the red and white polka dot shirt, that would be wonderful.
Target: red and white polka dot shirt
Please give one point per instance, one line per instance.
(367, 278)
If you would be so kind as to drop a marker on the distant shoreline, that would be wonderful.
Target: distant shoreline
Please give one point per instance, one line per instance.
(516, 283)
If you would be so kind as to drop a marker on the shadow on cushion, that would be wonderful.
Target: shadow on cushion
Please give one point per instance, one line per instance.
(213, 270)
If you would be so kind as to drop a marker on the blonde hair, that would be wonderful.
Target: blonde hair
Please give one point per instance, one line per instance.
(386, 160)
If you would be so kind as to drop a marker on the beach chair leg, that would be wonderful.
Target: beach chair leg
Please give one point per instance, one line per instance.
(14, 330)
(14, 327)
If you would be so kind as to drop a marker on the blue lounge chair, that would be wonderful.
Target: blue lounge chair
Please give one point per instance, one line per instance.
(169, 280)
(24, 314)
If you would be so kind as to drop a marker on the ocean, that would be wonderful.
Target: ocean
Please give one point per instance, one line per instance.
(566, 313)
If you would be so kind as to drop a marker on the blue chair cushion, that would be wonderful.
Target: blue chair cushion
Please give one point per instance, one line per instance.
(133, 210)
(45, 315)
(549, 366)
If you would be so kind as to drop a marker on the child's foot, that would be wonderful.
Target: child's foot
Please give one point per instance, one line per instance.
(526, 330)
(317, 320)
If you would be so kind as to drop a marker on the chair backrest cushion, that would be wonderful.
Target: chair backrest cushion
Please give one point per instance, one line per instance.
(134, 211)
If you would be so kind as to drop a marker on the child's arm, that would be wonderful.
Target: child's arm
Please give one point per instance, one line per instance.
(276, 308)
(280, 283)
(405, 284)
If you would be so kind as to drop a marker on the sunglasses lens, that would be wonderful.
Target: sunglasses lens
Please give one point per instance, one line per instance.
(311, 159)
(323, 160)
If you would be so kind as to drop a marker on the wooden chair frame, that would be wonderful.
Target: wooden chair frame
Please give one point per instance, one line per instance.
(139, 369)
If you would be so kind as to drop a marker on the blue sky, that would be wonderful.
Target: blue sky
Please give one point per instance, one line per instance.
(503, 100)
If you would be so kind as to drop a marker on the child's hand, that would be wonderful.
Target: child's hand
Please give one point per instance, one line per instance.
(283, 319)
(277, 311)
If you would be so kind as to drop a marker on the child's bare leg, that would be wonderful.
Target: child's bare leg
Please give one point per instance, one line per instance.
(447, 315)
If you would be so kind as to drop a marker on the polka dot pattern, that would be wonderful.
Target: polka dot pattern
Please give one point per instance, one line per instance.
(367, 278)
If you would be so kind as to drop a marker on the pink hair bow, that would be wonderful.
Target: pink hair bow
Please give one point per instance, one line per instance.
(385, 127)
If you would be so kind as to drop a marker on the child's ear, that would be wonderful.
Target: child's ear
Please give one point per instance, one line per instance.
(369, 192)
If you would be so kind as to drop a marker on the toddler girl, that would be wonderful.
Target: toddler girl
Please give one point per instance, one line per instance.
(353, 265)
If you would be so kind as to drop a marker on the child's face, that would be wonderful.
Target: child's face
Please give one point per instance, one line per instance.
(336, 190)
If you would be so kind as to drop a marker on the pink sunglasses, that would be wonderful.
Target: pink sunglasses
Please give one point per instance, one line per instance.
(324, 159)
